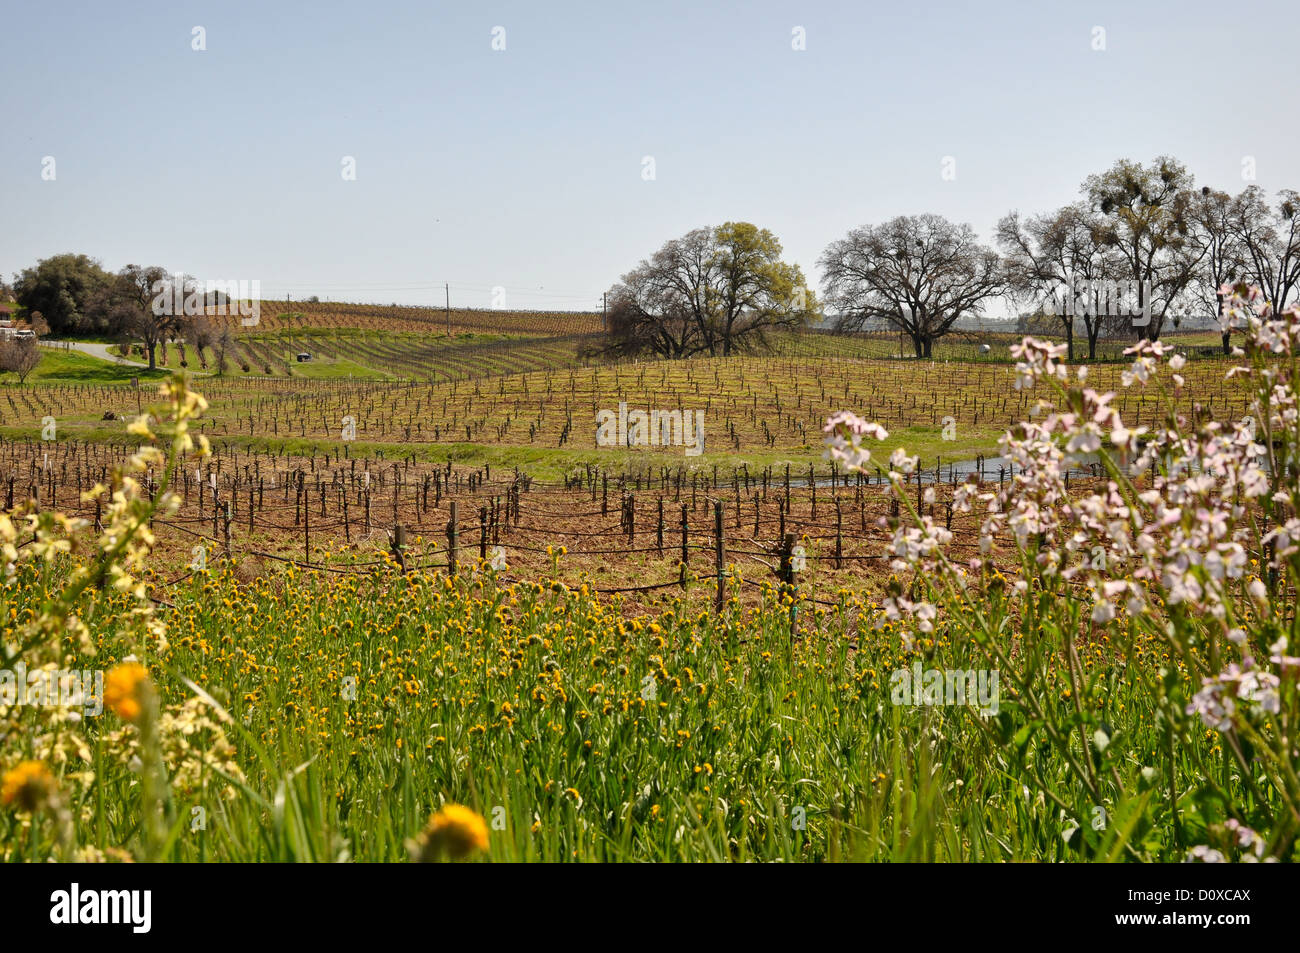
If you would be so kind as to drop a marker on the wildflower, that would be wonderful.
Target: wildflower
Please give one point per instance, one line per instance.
(29, 786)
(455, 831)
(844, 443)
(123, 691)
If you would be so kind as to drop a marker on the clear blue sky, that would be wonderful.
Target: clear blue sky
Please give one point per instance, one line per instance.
(523, 168)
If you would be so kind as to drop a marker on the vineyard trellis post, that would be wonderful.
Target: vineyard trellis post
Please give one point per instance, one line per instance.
(685, 555)
(719, 553)
(786, 573)
(839, 535)
(660, 531)
(451, 538)
(399, 545)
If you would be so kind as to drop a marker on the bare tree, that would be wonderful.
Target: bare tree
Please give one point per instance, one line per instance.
(661, 306)
(1221, 251)
(200, 333)
(1061, 262)
(1147, 213)
(19, 357)
(143, 315)
(641, 321)
(224, 343)
(918, 273)
(1270, 237)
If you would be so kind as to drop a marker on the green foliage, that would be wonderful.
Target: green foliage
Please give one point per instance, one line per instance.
(64, 289)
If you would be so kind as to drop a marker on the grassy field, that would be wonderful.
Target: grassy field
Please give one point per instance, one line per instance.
(358, 704)
(73, 367)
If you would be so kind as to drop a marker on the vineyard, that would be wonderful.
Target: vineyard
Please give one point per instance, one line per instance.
(310, 471)
(357, 341)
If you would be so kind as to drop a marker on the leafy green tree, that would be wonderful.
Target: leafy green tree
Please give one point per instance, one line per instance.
(715, 291)
(67, 290)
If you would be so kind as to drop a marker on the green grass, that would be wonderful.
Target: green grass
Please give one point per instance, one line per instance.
(321, 369)
(360, 704)
(72, 367)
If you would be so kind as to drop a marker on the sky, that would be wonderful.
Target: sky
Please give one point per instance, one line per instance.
(519, 175)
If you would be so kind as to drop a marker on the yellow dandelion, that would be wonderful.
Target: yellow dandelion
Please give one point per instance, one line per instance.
(122, 690)
(28, 785)
(455, 831)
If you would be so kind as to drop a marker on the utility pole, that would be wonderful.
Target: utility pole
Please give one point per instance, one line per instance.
(447, 288)
(604, 311)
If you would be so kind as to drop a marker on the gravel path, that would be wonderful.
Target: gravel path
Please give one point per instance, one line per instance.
(94, 350)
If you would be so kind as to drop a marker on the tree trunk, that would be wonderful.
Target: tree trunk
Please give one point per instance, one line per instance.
(1227, 335)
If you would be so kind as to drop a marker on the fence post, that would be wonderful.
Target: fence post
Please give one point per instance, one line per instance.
(660, 531)
(399, 545)
(685, 555)
(719, 552)
(226, 527)
(787, 559)
(839, 534)
(482, 532)
(451, 539)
